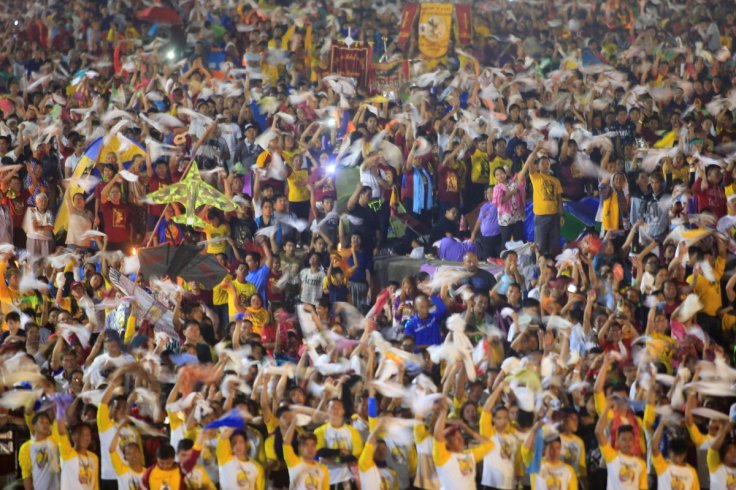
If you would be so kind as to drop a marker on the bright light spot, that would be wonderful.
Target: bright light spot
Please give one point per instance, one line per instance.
(16, 23)
(171, 54)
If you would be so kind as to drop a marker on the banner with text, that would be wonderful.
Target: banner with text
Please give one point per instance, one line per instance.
(352, 62)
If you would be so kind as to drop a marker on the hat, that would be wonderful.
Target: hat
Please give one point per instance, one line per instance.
(76, 283)
(249, 126)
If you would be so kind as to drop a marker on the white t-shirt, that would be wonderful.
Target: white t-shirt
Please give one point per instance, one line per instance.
(303, 476)
(42, 457)
(722, 477)
(674, 476)
(71, 162)
(624, 472)
(560, 476)
(456, 471)
(230, 132)
(498, 465)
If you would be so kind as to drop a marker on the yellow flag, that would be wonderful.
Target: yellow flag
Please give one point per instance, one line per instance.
(435, 27)
(667, 141)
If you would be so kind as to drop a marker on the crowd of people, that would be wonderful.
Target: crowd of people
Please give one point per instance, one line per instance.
(518, 357)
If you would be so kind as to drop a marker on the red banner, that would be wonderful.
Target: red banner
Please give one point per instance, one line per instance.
(407, 23)
(464, 24)
(351, 62)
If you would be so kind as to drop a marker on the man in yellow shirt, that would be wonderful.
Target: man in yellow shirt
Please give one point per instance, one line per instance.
(234, 292)
(547, 200)
(709, 291)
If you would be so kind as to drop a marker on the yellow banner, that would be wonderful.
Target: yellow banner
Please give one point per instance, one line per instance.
(435, 27)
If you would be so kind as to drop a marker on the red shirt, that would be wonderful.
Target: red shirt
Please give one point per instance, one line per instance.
(274, 295)
(327, 189)
(18, 206)
(713, 198)
(154, 184)
(448, 185)
(116, 218)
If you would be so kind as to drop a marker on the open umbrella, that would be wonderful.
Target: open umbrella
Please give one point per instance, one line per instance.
(159, 15)
(183, 261)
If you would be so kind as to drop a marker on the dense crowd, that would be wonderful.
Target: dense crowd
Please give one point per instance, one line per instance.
(564, 185)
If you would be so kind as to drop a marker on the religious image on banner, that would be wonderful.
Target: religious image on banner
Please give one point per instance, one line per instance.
(353, 62)
(435, 28)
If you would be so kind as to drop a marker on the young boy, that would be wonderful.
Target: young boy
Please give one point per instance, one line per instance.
(80, 468)
(39, 456)
(129, 471)
(675, 474)
(304, 471)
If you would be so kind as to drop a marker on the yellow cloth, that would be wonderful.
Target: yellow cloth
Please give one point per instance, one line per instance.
(667, 141)
(611, 213)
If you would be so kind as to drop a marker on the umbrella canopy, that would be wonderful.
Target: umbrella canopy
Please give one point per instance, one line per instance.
(159, 15)
(184, 261)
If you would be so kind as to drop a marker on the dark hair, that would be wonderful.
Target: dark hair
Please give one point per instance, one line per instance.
(37, 416)
(498, 407)
(678, 446)
(623, 429)
(309, 436)
(12, 316)
(184, 445)
(166, 451)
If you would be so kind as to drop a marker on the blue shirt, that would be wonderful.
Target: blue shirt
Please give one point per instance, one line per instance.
(427, 331)
(365, 263)
(259, 278)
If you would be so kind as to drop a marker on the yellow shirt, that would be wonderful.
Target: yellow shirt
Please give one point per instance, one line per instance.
(298, 180)
(682, 173)
(9, 298)
(245, 289)
(258, 318)
(710, 292)
(547, 192)
(213, 232)
(480, 168)
(159, 479)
